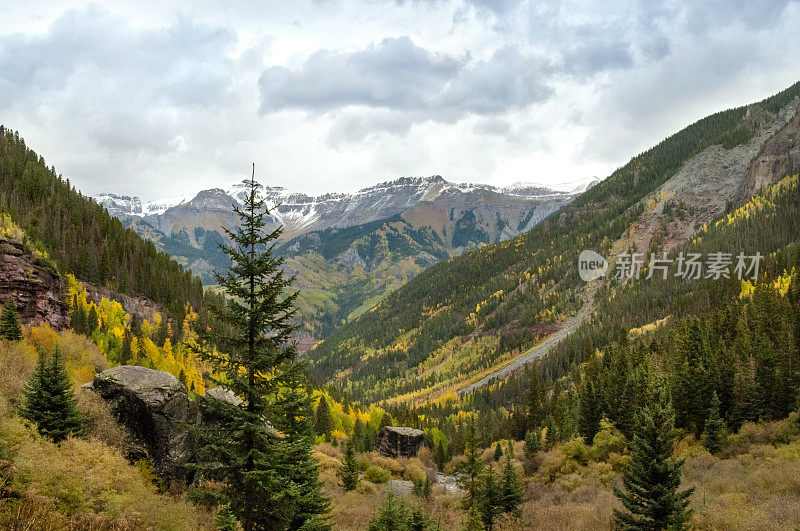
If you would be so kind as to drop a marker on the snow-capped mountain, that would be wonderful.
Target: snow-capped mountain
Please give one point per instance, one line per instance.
(347, 250)
(301, 213)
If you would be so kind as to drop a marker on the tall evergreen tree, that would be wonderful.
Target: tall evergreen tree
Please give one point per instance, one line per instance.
(589, 413)
(348, 472)
(92, 321)
(324, 421)
(511, 495)
(536, 400)
(714, 426)
(533, 443)
(440, 455)
(50, 402)
(10, 328)
(489, 501)
(126, 352)
(470, 470)
(652, 478)
(77, 317)
(261, 448)
(498, 452)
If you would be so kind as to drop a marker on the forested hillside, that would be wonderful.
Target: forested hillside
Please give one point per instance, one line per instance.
(461, 317)
(79, 235)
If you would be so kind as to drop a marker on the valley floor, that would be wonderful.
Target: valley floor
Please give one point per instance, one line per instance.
(754, 483)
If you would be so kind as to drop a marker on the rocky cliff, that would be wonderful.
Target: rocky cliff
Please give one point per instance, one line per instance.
(32, 284)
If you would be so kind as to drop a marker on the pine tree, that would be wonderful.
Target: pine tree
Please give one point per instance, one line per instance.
(419, 521)
(50, 402)
(498, 452)
(533, 443)
(440, 455)
(298, 464)
(348, 472)
(126, 352)
(394, 515)
(652, 478)
(472, 521)
(77, 319)
(261, 449)
(536, 400)
(225, 519)
(589, 414)
(511, 495)
(470, 470)
(324, 422)
(10, 328)
(92, 321)
(489, 501)
(714, 426)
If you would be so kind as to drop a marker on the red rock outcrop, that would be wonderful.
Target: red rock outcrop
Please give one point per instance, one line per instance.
(36, 289)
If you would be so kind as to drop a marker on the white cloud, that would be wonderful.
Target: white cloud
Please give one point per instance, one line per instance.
(154, 98)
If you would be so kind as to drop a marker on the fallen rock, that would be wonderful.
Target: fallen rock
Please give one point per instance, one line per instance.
(395, 441)
(154, 407)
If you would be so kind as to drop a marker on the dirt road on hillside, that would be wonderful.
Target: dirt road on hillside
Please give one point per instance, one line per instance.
(538, 351)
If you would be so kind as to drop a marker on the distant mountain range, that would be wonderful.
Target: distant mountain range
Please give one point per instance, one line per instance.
(300, 213)
(347, 249)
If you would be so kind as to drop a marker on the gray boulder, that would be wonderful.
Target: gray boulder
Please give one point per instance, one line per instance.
(154, 407)
(396, 441)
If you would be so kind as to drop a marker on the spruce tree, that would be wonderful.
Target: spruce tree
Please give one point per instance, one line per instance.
(470, 471)
(324, 422)
(489, 501)
(92, 321)
(652, 478)
(126, 353)
(714, 426)
(440, 455)
(298, 464)
(511, 495)
(533, 443)
(50, 402)
(348, 472)
(260, 449)
(10, 328)
(498, 452)
(77, 318)
(536, 400)
(589, 413)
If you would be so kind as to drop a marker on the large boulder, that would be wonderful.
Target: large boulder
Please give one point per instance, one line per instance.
(396, 441)
(155, 409)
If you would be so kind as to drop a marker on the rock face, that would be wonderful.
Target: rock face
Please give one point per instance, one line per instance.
(398, 441)
(154, 406)
(35, 288)
(779, 157)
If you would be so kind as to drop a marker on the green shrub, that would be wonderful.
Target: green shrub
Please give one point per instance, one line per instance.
(377, 474)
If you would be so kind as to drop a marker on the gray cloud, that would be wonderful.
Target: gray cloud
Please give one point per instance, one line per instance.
(399, 75)
(329, 94)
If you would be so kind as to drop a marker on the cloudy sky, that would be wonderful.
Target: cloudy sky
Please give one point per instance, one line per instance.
(145, 98)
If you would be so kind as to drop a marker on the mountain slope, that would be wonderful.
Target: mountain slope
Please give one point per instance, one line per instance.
(460, 318)
(81, 238)
(347, 250)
